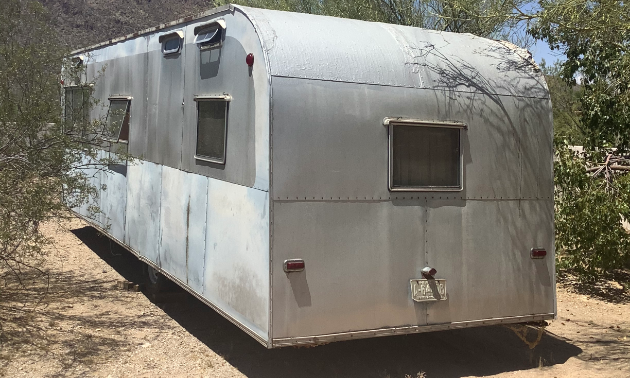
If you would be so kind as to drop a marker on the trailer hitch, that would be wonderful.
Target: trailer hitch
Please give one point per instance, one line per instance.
(520, 329)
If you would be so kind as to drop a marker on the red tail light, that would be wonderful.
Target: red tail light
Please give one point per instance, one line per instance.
(538, 253)
(293, 265)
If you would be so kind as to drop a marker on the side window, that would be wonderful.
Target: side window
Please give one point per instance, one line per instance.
(210, 35)
(118, 119)
(77, 104)
(425, 156)
(212, 115)
(171, 42)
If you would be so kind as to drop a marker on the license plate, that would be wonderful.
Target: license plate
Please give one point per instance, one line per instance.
(423, 290)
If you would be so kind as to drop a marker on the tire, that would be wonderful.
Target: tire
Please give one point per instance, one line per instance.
(155, 281)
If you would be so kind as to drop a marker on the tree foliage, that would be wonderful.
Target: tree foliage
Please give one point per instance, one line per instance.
(590, 92)
(595, 37)
(42, 151)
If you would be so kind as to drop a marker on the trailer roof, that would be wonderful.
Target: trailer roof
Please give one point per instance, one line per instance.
(345, 50)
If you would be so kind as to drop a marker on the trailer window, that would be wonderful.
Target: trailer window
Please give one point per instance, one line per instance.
(171, 42)
(210, 35)
(118, 120)
(425, 157)
(212, 129)
(77, 104)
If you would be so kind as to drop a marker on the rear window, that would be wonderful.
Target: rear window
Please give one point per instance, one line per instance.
(425, 157)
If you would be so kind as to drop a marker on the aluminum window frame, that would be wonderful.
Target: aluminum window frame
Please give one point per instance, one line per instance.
(219, 25)
(219, 98)
(126, 118)
(390, 123)
(178, 35)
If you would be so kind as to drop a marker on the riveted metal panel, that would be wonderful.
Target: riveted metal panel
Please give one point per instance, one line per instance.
(223, 71)
(359, 258)
(482, 249)
(337, 149)
(144, 188)
(236, 275)
(335, 49)
(165, 91)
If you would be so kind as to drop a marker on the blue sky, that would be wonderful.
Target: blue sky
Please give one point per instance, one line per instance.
(542, 51)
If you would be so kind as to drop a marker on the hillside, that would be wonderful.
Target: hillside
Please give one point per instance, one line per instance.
(86, 22)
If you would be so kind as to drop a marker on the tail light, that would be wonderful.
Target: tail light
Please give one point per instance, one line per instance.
(538, 253)
(293, 265)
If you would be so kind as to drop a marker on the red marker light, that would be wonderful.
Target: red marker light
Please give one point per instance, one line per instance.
(293, 265)
(538, 253)
(250, 59)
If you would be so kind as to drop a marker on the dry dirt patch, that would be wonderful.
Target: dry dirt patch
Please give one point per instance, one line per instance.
(87, 326)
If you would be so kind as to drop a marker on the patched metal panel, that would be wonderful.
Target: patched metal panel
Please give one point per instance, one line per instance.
(197, 187)
(482, 249)
(144, 188)
(343, 50)
(93, 175)
(174, 218)
(114, 199)
(359, 258)
(236, 274)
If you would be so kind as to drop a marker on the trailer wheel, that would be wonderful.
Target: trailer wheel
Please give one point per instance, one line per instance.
(155, 281)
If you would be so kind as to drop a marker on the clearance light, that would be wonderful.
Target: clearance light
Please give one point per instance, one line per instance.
(293, 265)
(250, 59)
(538, 253)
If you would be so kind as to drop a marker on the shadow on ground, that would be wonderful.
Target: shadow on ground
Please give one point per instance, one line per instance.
(476, 351)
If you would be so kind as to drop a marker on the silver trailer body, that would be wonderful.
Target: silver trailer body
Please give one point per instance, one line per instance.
(307, 174)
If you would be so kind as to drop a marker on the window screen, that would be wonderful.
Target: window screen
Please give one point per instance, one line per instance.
(118, 120)
(211, 129)
(425, 157)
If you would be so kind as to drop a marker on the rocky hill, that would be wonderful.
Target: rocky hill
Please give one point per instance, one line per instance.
(86, 22)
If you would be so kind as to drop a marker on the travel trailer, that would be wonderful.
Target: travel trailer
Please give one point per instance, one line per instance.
(316, 179)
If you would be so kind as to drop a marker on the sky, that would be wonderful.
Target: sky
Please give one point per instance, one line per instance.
(542, 51)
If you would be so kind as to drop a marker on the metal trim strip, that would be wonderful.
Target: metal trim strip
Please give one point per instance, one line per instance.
(405, 330)
(411, 121)
(213, 98)
(216, 308)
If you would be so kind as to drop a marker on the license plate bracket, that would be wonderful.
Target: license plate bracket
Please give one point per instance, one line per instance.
(428, 290)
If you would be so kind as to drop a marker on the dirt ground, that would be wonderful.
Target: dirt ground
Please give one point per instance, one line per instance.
(87, 326)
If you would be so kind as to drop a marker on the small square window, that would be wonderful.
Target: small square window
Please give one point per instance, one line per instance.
(171, 42)
(425, 156)
(118, 120)
(211, 129)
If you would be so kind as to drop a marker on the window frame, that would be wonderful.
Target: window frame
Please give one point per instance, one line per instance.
(127, 118)
(179, 35)
(86, 88)
(391, 123)
(220, 27)
(219, 98)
